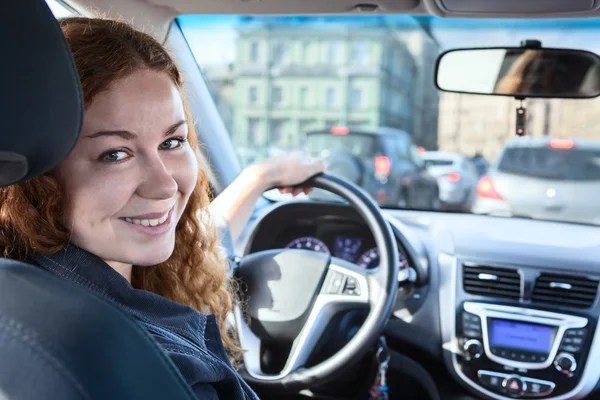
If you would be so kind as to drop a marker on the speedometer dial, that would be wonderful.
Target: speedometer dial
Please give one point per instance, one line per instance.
(308, 243)
(370, 259)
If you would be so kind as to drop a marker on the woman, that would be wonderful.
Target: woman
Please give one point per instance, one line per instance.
(127, 213)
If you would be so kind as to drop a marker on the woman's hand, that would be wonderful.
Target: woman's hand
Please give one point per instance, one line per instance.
(285, 171)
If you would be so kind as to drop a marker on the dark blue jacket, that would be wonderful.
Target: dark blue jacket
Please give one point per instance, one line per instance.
(190, 338)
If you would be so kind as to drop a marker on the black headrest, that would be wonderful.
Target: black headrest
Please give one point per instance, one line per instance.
(41, 106)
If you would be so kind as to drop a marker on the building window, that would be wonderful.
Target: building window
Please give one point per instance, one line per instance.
(359, 123)
(253, 126)
(331, 122)
(356, 97)
(305, 51)
(276, 96)
(304, 96)
(332, 53)
(359, 54)
(252, 95)
(254, 52)
(330, 99)
(279, 53)
(277, 131)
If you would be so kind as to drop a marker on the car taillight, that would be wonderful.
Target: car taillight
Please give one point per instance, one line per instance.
(486, 189)
(563, 144)
(453, 177)
(383, 166)
(340, 130)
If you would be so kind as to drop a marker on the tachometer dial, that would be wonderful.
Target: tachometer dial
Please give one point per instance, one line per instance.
(308, 243)
(370, 259)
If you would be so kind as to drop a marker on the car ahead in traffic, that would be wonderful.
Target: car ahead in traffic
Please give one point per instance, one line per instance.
(383, 161)
(544, 178)
(481, 165)
(456, 176)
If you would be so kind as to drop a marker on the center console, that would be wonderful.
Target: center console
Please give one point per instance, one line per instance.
(519, 332)
(521, 352)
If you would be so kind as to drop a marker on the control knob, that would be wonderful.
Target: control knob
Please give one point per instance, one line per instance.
(473, 348)
(565, 363)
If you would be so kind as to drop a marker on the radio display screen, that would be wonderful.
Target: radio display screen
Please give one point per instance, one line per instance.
(521, 336)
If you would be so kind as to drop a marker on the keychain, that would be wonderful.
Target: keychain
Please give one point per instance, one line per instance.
(379, 390)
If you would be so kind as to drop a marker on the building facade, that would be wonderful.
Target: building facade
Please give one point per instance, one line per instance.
(471, 124)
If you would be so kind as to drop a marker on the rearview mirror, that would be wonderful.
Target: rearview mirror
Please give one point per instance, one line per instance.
(520, 72)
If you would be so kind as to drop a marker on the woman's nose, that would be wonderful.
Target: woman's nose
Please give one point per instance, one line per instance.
(158, 182)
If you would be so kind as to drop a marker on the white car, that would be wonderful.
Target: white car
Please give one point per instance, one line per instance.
(544, 178)
(456, 176)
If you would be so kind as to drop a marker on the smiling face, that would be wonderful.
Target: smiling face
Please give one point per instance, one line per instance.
(128, 179)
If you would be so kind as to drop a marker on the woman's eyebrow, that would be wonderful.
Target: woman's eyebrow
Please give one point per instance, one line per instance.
(175, 126)
(124, 134)
(130, 136)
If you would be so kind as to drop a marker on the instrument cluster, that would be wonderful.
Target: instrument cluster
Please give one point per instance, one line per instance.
(356, 249)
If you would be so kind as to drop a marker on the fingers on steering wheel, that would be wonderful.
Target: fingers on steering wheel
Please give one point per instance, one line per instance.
(295, 191)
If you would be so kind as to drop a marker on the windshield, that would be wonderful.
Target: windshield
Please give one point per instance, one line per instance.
(359, 92)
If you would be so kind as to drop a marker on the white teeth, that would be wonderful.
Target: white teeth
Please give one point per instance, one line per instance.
(163, 219)
(148, 222)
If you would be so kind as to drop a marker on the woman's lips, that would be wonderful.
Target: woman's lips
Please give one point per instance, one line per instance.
(151, 224)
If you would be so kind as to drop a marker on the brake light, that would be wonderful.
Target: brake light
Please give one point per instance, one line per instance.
(563, 144)
(453, 177)
(383, 166)
(340, 130)
(486, 189)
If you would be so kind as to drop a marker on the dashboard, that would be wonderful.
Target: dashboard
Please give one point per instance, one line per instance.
(509, 306)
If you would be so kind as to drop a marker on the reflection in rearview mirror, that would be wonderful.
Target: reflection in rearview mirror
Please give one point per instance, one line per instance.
(520, 72)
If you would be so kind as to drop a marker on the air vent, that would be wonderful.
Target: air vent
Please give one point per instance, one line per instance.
(565, 290)
(492, 281)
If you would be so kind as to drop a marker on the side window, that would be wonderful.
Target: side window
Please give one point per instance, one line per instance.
(58, 9)
(401, 146)
(415, 157)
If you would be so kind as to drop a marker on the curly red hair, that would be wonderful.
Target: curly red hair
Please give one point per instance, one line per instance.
(31, 213)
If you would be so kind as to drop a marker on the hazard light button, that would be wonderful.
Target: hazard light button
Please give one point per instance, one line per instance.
(514, 385)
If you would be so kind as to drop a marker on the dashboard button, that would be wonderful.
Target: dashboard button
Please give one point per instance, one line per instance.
(472, 334)
(352, 287)
(578, 341)
(570, 348)
(514, 385)
(576, 332)
(471, 326)
(336, 282)
(538, 388)
(472, 318)
(491, 380)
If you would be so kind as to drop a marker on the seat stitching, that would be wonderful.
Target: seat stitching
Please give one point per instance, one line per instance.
(27, 336)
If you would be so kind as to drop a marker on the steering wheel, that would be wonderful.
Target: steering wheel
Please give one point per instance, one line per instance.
(291, 295)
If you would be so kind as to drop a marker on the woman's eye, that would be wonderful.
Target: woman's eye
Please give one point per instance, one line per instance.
(116, 155)
(171, 144)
